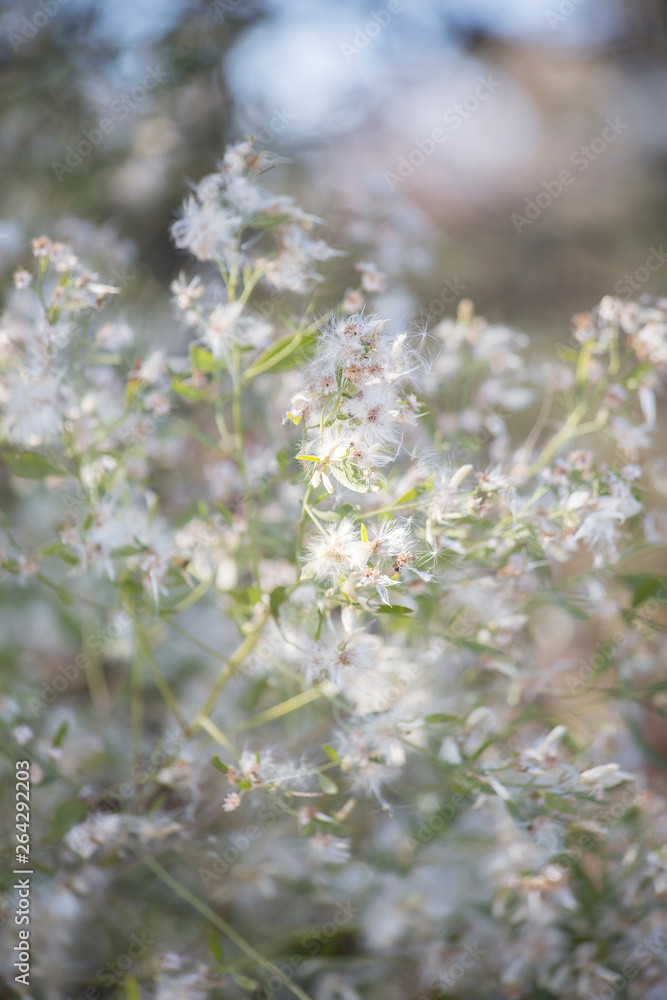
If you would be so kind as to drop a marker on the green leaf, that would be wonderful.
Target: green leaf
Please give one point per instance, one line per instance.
(328, 786)
(131, 389)
(130, 588)
(283, 460)
(285, 353)
(408, 497)
(345, 510)
(278, 596)
(572, 610)
(62, 592)
(203, 361)
(187, 391)
(106, 359)
(215, 760)
(556, 803)
(349, 476)
(215, 948)
(60, 550)
(474, 647)
(60, 733)
(128, 550)
(331, 753)
(30, 465)
(393, 609)
(132, 989)
(313, 623)
(644, 586)
(245, 596)
(437, 717)
(245, 981)
(266, 221)
(66, 815)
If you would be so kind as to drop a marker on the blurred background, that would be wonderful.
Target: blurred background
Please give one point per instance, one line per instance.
(430, 134)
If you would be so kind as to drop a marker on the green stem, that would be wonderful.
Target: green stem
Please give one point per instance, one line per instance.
(162, 686)
(302, 520)
(223, 926)
(205, 648)
(284, 708)
(240, 457)
(97, 685)
(233, 663)
(136, 706)
(564, 434)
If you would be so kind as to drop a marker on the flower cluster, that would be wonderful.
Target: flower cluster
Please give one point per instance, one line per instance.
(371, 694)
(353, 404)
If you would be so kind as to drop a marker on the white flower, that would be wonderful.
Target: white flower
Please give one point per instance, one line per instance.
(97, 832)
(343, 663)
(185, 294)
(631, 438)
(374, 411)
(152, 368)
(239, 157)
(206, 230)
(326, 849)
(598, 528)
(334, 553)
(371, 576)
(651, 342)
(35, 409)
(604, 776)
(391, 539)
(22, 278)
(293, 267)
(544, 751)
(22, 734)
(372, 279)
(220, 328)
